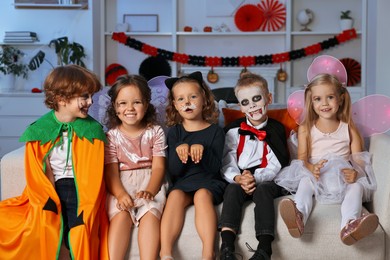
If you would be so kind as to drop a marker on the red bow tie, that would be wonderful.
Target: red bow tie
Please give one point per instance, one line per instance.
(258, 133)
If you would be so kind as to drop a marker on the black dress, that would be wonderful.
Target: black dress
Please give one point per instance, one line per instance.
(191, 177)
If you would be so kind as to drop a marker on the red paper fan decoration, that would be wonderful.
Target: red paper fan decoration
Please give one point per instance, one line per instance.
(273, 15)
(248, 18)
(113, 71)
(353, 69)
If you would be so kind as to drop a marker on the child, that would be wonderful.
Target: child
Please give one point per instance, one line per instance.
(64, 173)
(134, 168)
(331, 164)
(194, 160)
(255, 151)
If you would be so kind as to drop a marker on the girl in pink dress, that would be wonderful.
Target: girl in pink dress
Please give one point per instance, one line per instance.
(331, 163)
(134, 168)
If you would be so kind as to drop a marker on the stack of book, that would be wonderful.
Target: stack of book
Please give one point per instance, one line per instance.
(20, 37)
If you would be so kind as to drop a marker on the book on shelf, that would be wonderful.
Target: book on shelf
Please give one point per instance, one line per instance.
(20, 33)
(21, 39)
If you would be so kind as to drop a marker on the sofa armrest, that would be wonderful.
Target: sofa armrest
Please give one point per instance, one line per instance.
(13, 180)
(379, 148)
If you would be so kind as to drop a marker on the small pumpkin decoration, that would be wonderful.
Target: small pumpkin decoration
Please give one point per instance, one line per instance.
(207, 29)
(212, 77)
(187, 28)
(281, 74)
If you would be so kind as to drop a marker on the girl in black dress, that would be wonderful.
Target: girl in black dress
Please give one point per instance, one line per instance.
(195, 146)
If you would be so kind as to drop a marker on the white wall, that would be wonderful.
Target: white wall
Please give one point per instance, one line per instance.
(78, 26)
(382, 44)
(48, 24)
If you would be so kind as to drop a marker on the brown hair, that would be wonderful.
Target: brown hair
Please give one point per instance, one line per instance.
(209, 112)
(67, 82)
(344, 113)
(112, 120)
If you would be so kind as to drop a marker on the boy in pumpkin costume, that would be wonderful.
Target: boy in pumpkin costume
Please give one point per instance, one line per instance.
(64, 196)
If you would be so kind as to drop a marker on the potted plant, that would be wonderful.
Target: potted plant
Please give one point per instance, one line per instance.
(10, 62)
(11, 66)
(67, 53)
(346, 21)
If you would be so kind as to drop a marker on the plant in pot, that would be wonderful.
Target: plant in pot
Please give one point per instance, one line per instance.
(67, 53)
(11, 65)
(346, 21)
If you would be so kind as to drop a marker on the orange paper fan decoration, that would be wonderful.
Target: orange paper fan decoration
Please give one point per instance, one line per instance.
(353, 69)
(248, 18)
(273, 15)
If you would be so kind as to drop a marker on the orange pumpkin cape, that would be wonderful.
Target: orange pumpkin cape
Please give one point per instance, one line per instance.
(32, 224)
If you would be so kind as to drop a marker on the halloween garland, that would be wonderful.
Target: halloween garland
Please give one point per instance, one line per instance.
(243, 61)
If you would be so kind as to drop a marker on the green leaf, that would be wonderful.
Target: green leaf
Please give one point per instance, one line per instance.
(36, 61)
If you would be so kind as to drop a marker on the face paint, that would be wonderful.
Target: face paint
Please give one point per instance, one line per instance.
(185, 107)
(253, 102)
(84, 102)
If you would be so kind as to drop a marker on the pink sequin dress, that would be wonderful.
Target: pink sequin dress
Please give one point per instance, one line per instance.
(134, 156)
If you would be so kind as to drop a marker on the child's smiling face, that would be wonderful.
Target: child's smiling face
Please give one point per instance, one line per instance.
(254, 101)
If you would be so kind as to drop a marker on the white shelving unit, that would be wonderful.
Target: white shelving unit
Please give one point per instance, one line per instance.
(174, 15)
(18, 110)
(76, 4)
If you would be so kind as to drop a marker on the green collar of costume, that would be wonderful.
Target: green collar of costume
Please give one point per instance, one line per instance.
(48, 128)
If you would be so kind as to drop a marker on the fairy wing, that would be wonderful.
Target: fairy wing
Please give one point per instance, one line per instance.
(159, 97)
(101, 100)
(295, 106)
(371, 114)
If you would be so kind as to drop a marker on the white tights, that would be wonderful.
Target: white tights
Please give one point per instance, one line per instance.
(351, 207)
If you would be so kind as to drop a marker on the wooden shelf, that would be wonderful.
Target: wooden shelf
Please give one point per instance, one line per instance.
(51, 6)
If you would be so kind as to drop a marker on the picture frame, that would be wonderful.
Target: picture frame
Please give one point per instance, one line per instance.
(141, 22)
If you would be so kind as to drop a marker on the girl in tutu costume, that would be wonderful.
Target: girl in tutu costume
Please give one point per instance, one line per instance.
(331, 163)
(134, 168)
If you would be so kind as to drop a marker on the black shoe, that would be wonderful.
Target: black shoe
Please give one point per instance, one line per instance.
(227, 253)
(259, 254)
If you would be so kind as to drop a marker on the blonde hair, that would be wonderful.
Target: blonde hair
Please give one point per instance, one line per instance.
(344, 113)
(209, 112)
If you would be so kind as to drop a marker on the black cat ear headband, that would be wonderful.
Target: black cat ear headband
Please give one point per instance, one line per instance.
(197, 75)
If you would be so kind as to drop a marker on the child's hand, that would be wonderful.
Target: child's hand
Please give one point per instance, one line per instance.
(349, 175)
(196, 152)
(125, 202)
(183, 152)
(143, 194)
(317, 168)
(247, 182)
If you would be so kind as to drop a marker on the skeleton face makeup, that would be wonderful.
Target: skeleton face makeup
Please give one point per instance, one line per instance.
(253, 102)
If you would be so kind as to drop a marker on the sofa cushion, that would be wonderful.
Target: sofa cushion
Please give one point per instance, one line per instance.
(280, 115)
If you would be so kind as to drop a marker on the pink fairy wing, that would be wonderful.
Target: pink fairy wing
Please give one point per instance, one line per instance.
(327, 64)
(295, 106)
(371, 114)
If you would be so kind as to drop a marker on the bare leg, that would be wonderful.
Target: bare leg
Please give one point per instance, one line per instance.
(119, 235)
(149, 236)
(172, 220)
(205, 221)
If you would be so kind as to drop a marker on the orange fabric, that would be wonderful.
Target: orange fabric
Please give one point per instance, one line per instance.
(280, 115)
(28, 231)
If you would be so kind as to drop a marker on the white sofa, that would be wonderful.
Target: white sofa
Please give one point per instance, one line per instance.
(321, 237)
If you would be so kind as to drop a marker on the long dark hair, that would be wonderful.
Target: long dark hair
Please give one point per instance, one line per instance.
(112, 120)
